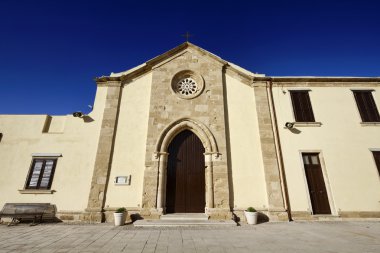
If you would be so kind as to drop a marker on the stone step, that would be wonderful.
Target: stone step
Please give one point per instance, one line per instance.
(182, 223)
(184, 216)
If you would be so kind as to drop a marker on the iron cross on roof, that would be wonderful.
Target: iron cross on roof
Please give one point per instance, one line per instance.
(187, 36)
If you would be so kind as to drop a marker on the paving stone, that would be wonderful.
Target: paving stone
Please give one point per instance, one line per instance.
(268, 237)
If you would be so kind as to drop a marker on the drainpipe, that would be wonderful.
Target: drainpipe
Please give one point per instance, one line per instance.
(280, 159)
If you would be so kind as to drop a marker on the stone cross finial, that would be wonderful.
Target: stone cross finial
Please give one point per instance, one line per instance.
(187, 36)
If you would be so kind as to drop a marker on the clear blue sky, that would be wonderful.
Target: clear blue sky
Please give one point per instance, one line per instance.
(50, 51)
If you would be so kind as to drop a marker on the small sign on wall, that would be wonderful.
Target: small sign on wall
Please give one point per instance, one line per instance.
(123, 180)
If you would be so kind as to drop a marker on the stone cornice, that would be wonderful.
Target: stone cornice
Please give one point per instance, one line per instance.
(151, 64)
(179, 49)
(318, 79)
(242, 75)
(104, 82)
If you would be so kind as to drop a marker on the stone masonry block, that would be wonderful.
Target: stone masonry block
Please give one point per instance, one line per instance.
(163, 100)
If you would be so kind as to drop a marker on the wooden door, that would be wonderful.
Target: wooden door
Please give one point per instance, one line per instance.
(185, 187)
(316, 184)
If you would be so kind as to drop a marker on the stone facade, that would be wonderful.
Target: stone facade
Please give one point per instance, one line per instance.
(206, 109)
(250, 158)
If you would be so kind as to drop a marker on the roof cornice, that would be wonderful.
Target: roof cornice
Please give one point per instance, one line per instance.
(149, 65)
(317, 79)
(243, 74)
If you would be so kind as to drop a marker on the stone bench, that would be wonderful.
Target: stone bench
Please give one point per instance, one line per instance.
(27, 211)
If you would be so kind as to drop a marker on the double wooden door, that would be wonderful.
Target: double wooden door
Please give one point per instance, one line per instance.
(185, 185)
(317, 188)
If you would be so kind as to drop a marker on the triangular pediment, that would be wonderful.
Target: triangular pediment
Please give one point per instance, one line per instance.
(183, 48)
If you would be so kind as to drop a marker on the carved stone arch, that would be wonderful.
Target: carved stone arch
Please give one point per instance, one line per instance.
(199, 129)
(163, 142)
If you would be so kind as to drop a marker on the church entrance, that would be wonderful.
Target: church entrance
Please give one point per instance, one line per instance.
(185, 187)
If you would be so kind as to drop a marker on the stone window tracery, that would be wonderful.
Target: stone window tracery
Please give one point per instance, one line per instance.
(187, 84)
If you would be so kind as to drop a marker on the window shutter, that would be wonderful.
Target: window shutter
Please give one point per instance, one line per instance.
(367, 106)
(376, 155)
(303, 112)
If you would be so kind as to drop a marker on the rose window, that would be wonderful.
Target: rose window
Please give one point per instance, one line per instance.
(187, 86)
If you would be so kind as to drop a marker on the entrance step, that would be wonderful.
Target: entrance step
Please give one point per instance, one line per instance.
(185, 217)
(182, 223)
(183, 220)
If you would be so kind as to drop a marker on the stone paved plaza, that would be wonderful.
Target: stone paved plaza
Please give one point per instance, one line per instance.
(268, 237)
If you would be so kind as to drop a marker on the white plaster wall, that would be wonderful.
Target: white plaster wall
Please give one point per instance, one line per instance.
(245, 157)
(353, 180)
(130, 144)
(77, 144)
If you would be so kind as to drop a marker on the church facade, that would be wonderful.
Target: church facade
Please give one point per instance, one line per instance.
(188, 132)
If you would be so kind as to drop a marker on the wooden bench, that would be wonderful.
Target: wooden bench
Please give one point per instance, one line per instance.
(20, 211)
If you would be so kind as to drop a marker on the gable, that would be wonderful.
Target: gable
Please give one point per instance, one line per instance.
(168, 56)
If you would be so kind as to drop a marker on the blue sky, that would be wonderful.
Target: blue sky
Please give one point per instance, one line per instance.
(50, 51)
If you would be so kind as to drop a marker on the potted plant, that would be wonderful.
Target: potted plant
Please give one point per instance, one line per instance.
(120, 216)
(251, 215)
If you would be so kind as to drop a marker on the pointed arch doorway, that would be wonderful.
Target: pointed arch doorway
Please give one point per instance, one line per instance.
(185, 188)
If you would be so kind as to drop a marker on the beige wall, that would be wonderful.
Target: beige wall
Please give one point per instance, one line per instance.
(75, 139)
(246, 159)
(130, 142)
(351, 176)
(344, 144)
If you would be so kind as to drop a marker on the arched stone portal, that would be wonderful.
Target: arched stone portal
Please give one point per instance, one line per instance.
(203, 133)
(185, 175)
(164, 140)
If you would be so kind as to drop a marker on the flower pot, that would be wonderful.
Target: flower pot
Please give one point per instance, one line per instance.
(251, 217)
(119, 218)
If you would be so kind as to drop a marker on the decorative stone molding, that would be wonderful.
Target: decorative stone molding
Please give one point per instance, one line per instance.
(313, 79)
(242, 77)
(307, 124)
(324, 83)
(370, 123)
(187, 84)
(35, 191)
(196, 127)
(165, 138)
(111, 83)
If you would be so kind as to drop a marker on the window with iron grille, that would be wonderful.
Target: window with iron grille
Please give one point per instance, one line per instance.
(303, 112)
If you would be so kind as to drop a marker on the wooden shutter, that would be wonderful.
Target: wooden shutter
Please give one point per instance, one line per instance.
(303, 112)
(376, 155)
(366, 105)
